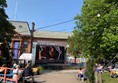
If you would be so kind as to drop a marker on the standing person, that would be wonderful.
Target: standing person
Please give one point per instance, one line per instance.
(27, 72)
(17, 73)
(28, 69)
(98, 69)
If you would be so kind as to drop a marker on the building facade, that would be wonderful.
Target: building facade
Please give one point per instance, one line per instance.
(25, 38)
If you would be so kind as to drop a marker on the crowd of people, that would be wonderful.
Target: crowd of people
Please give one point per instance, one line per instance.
(98, 70)
(113, 69)
(17, 72)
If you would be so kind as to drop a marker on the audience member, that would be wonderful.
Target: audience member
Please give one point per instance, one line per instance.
(113, 71)
(27, 73)
(2, 68)
(17, 73)
(27, 70)
(99, 68)
(81, 74)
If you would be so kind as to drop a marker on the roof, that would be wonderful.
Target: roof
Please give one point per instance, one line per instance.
(51, 34)
(22, 27)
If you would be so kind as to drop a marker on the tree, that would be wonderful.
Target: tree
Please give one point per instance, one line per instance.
(99, 26)
(74, 42)
(6, 28)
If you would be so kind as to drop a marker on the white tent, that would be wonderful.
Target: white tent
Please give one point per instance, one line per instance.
(28, 57)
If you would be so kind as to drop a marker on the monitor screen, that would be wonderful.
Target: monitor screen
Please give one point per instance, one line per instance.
(50, 53)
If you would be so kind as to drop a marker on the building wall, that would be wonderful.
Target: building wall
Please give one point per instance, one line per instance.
(25, 43)
(47, 41)
(20, 41)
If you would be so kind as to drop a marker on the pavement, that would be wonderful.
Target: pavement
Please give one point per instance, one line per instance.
(60, 76)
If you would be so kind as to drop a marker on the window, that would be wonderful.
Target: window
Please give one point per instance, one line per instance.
(25, 46)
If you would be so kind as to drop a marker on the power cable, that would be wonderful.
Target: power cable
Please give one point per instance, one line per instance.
(52, 25)
(55, 24)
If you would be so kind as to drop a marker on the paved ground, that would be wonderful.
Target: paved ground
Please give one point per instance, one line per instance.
(62, 76)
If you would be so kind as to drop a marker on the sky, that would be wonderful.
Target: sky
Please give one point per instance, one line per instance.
(45, 13)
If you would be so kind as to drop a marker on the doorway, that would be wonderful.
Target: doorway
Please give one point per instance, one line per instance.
(16, 49)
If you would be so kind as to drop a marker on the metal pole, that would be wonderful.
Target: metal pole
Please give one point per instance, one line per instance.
(16, 9)
(32, 36)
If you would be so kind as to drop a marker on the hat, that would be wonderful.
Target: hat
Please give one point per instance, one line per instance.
(17, 66)
(14, 65)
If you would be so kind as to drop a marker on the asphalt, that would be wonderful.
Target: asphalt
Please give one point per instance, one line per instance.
(54, 76)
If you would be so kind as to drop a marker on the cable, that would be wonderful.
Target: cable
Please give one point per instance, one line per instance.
(55, 24)
(51, 25)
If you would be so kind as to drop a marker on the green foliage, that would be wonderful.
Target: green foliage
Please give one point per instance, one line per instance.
(6, 28)
(5, 50)
(96, 33)
(107, 79)
(99, 28)
(75, 43)
(90, 70)
(40, 69)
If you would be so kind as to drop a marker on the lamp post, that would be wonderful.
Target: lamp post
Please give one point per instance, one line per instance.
(32, 36)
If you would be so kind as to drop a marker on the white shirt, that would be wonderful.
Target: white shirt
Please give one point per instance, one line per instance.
(17, 72)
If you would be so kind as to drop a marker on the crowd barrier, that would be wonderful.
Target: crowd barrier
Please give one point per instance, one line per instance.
(7, 75)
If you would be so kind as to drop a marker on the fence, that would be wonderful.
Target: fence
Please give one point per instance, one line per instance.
(7, 75)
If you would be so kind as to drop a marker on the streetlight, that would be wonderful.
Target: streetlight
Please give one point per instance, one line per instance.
(67, 46)
(98, 15)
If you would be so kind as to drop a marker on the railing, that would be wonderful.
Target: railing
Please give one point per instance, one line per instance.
(5, 78)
